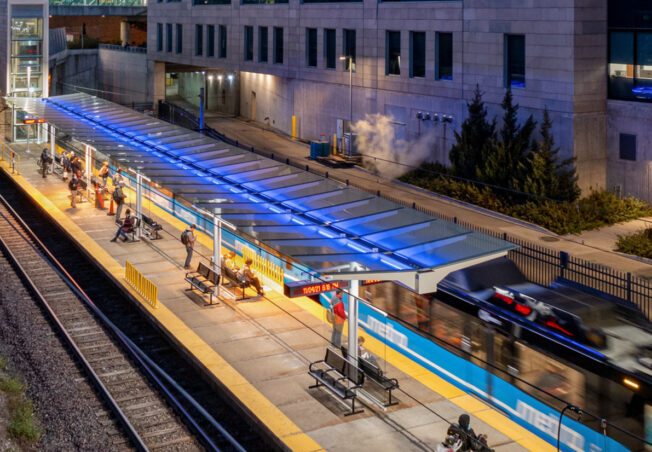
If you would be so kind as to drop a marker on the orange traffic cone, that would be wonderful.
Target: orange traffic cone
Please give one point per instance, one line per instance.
(111, 211)
(99, 198)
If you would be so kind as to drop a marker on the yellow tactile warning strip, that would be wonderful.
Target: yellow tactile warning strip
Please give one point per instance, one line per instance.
(273, 418)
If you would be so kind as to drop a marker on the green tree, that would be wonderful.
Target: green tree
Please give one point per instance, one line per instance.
(503, 165)
(546, 175)
(474, 138)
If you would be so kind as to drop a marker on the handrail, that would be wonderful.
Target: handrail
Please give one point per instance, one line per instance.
(100, 3)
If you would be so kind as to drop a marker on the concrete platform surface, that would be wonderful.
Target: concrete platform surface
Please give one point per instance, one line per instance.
(261, 348)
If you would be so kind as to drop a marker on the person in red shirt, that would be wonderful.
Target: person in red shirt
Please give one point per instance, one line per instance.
(127, 226)
(340, 318)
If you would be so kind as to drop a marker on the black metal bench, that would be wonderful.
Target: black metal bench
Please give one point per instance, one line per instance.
(232, 276)
(374, 373)
(339, 376)
(204, 279)
(151, 228)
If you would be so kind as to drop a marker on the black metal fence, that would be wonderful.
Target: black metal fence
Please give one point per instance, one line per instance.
(539, 263)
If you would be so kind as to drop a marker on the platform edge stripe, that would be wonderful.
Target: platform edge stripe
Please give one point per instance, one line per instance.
(272, 417)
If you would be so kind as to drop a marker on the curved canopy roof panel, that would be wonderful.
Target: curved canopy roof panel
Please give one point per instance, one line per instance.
(328, 227)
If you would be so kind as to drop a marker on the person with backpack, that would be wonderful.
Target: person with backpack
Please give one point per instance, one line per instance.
(119, 199)
(45, 161)
(73, 186)
(337, 317)
(103, 174)
(76, 165)
(188, 238)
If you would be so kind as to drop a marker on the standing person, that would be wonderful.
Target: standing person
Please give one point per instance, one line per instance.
(45, 161)
(337, 305)
(188, 238)
(65, 162)
(103, 173)
(73, 185)
(117, 177)
(251, 277)
(77, 167)
(119, 198)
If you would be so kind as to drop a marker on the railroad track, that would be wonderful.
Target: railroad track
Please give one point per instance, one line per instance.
(129, 385)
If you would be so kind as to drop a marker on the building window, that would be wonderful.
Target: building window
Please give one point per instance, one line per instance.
(329, 48)
(26, 53)
(514, 61)
(168, 37)
(393, 53)
(311, 47)
(278, 45)
(630, 65)
(417, 54)
(264, 2)
(348, 47)
(248, 43)
(210, 40)
(627, 147)
(179, 38)
(262, 44)
(222, 48)
(444, 56)
(159, 37)
(199, 40)
(209, 2)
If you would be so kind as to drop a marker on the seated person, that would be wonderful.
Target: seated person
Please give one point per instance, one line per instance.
(470, 441)
(127, 226)
(228, 261)
(364, 353)
(250, 277)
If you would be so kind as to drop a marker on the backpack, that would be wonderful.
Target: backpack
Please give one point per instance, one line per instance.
(330, 314)
(118, 196)
(184, 238)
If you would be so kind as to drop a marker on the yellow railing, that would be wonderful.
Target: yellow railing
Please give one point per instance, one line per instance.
(11, 157)
(263, 266)
(143, 286)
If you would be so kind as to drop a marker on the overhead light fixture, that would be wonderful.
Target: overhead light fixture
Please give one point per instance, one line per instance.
(630, 383)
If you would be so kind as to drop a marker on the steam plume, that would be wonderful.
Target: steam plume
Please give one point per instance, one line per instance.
(376, 137)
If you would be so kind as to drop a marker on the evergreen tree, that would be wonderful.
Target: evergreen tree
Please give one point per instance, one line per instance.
(546, 175)
(503, 166)
(472, 142)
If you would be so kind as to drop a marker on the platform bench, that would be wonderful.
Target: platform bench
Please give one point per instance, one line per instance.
(204, 280)
(338, 376)
(374, 373)
(151, 228)
(232, 276)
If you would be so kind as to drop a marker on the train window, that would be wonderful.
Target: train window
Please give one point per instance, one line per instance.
(550, 375)
(447, 324)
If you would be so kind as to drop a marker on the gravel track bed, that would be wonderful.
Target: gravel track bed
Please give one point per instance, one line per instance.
(64, 402)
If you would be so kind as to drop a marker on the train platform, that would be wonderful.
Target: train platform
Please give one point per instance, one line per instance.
(260, 348)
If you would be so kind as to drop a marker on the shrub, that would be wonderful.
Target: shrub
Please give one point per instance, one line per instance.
(639, 243)
(598, 209)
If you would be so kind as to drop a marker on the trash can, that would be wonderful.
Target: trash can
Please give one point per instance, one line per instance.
(319, 149)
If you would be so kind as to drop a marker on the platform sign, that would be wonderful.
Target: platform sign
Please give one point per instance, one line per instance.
(305, 288)
(368, 282)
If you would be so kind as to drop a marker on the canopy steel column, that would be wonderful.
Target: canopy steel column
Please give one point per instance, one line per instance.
(139, 204)
(353, 321)
(89, 163)
(52, 146)
(217, 250)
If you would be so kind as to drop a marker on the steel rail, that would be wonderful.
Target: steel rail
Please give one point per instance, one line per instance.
(129, 346)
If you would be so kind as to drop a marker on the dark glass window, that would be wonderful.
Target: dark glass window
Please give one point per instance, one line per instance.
(209, 2)
(248, 43)
(210, 40)
(168, 37)
(199, 40)
(515, 61)
(348, 47)
(444, 56)
(393, 53)
(263, 2)
(159, 37)
(627, 147)
(630, 65)
(262, 44)
(329, 48)
(278, 45)
(311, 47)
(417, 54)
(179, 48)
(222, 48)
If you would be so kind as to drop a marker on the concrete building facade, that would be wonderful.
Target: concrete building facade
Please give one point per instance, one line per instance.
(414, 61)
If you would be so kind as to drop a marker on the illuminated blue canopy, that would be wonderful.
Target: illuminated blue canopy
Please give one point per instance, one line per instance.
(328, 227)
